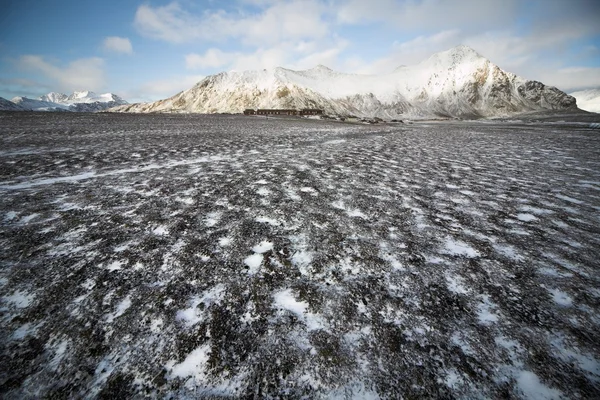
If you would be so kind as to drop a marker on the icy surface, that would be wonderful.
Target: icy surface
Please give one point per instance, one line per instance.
(174, 256)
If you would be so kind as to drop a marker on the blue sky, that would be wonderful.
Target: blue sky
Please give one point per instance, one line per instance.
(147, 50)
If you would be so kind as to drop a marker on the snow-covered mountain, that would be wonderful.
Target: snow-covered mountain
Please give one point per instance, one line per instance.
(39, 105)
(7, 105)
(85, 101)
(54, 97)
(588, 100)
(454, 83)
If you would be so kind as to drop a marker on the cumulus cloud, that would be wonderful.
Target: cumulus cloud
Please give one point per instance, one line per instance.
(533, 39)
(212, 58)
(81, 74)
(277, 22)
(117, 44)
(296, 55)
(161, 88)
(428, 14)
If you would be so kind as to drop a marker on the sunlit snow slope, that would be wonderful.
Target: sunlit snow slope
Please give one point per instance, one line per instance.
(588, 100)
(454, 83)
(77, 101)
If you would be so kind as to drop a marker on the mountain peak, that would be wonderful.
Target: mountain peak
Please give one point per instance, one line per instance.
(457, 55)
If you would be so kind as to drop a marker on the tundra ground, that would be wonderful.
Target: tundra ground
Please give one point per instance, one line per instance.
(182, 256)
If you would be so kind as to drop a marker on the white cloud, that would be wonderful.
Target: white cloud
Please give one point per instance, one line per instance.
(161, 88)
(428, 14)
(571, 79)
(295, 55)
(212, 58)
(81, 74)
(117, 45)
(277, 22)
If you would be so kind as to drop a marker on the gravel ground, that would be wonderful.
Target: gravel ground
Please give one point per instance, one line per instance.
(182, 256)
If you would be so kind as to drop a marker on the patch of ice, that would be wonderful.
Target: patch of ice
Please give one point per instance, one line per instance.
(28, 218)
(156, 325)
(20, 299)
(253, 262)
(121, 308)
(59, 354)
(193, 365)
(115, 265)
(335, 141)
(263, 191)
(508, 251)
(286, 300)
(212, 219)
(356, 213)
(225, 241)
(455, 284)
(193, 314)
(160, 230)
(525, 217)
(267, 220)
(302, 258)
(262, 182)
(339, 204)
(569, 199)
(9, 216)
(458, 248)
(23, 331)
(531, 386)
(484, 311)
(263, 247)
(535, 210)
(122, 247)
(561, 298)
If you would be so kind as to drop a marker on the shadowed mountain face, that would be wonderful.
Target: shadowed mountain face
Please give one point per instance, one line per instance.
(455, 83)
(7, 105)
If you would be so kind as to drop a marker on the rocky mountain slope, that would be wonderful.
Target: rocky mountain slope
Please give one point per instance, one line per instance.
(454, 83)
(588, 100)
(85, 101)
(7, 105)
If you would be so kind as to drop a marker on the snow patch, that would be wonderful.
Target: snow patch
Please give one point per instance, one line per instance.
(458, 248)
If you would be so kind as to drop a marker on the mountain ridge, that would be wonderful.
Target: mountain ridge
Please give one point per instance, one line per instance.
(83, 101)
(458, 82)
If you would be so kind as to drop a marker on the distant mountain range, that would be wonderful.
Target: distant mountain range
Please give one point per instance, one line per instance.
(454, 83)
(85, 101)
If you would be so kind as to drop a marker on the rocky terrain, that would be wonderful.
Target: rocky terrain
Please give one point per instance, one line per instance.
(455, 83)
(193, 256)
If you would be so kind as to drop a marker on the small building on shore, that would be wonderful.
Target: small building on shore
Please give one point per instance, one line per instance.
(276, 111)
(283, 111)
(311, 111)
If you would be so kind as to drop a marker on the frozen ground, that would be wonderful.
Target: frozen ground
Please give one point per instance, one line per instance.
(193, 256)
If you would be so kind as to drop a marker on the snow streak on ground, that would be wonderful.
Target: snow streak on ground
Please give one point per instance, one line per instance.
(198, 256)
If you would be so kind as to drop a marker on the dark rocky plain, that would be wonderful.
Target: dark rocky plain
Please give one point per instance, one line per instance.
(190, 256)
